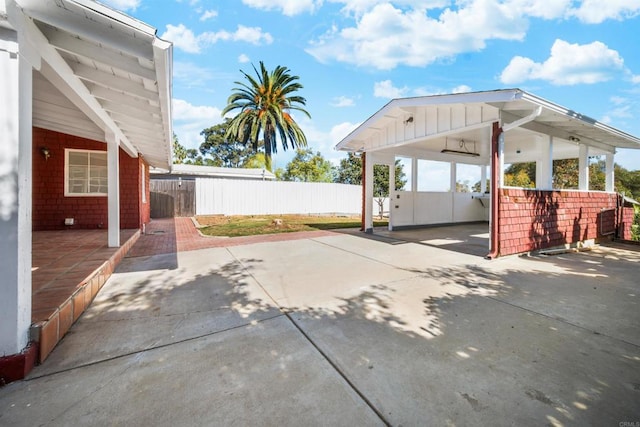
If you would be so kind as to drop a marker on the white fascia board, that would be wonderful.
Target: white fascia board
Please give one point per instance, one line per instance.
(115, 15)
(163, 58)
(104, 25)
(58, 72)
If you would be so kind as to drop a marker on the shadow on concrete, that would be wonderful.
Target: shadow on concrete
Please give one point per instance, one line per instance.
(503, 343)
(470, 239)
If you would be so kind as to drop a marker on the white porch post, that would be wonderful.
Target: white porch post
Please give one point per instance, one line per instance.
(544, 166)
(583, 167)
(15, 190)
(483, 179)
(368, 193)
(392, 190)
(609, 173)
(453, 176)
(113, 174)
(500, 160)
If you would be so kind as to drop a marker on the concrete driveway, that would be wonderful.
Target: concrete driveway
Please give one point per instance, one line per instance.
(348, 330)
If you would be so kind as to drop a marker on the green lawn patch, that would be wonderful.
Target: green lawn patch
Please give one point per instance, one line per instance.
(235, 226)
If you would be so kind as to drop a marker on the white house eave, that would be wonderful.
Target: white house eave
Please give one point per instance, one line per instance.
(549, 118)
(603, 132)
(112, 67)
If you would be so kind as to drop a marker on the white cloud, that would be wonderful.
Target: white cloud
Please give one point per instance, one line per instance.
(343, 101)
(568, 64)
(287, 7)
(597, 11)
(208, 14)
(340, 131)
(125, 5)
(385, 89)
(461, 89)
(190, 120)
(243, 59)
(183, 38)
(385, 36)
(635, 79)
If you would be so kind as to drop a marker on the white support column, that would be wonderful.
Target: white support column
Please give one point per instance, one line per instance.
(609, 173)
(483, 179)
(583, 167)
(16, 86)
(368, 193)
(500, 161)
(113, 174)
(453, 176)
(544, 166)
(414, 176)
(392, 191)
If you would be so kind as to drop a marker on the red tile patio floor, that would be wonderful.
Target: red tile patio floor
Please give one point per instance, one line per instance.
(70, 266)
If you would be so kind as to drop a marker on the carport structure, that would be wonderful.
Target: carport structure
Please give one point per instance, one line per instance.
(445, 134)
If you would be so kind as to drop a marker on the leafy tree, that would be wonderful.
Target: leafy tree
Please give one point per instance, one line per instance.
(217, 150)
(264, 105)
(308, 167)
(477, 185)
(463, 187)
(521, 175)
(256, 161)
(179, 151)
(350, 172)
(565, 173)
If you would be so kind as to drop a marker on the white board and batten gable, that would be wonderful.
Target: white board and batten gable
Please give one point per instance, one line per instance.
(424, 126)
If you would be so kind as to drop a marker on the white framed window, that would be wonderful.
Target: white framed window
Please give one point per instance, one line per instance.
(85, 172)
(143, 183)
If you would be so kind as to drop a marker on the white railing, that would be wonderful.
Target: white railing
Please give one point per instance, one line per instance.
(245, 197)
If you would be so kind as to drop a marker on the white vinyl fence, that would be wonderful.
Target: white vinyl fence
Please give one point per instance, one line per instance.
(244, 197)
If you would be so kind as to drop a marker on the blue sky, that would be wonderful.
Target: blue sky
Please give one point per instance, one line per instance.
(353, 56)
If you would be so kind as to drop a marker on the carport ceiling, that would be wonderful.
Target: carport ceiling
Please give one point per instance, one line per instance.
(107, 71)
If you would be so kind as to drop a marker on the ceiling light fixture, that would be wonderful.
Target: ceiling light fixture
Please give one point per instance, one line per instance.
(463, 151)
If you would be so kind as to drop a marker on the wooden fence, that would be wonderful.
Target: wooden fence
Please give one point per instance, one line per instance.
(245, 197)
(171, 198)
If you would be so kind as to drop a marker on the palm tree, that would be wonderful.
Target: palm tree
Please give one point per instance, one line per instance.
(264, 105)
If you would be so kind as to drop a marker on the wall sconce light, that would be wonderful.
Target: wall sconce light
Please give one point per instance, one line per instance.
(45, 152)
(574, 139)
(409, 120)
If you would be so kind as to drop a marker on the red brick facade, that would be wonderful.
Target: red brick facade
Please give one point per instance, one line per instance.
(533, 219)
(626, 222)
(51, 206)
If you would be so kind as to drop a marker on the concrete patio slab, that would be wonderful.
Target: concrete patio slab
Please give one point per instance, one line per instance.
(261, 374)
(147, 305)
(348, 330)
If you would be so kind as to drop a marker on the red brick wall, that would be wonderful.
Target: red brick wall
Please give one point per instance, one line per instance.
(626, 223)
(532, 220)
(51, 207)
